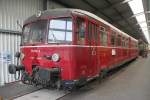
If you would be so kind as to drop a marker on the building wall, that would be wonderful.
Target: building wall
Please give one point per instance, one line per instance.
(9, 44)
(10, 12)
(13, 10)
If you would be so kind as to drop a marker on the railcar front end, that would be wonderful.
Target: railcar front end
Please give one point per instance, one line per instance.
(47, 53)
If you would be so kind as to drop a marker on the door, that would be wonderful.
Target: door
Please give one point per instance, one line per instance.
(93, 40)
(81, 51)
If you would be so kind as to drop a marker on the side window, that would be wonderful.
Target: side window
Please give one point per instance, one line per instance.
(81, 27)
(92, 32)
(26, 35)
(103, 36)
(113, 38)
(119, 40)
(136, 45)
(123, 41)
(95, 33)
(133, 44)
(127, 43)
(89, 31)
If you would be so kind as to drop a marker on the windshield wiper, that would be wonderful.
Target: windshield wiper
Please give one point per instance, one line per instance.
(54, 37)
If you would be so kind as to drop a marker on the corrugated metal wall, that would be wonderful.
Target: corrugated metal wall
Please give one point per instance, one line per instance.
(9, 44)
(13, 10)
(10, 12)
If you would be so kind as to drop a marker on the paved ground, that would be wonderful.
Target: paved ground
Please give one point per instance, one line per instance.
(15, 89)
(43, 94)
(19, 91)
(130, 83)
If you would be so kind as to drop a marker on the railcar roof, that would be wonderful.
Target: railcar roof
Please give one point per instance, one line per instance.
(68, 12)
(50, 13)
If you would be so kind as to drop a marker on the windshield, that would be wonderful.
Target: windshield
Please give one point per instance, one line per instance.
(60, 30)
(35, 32)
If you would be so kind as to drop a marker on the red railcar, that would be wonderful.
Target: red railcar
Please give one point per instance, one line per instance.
(68, 47)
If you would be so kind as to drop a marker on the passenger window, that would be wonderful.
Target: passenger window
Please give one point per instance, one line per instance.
(119, 40)
(103, 37)
(92, 32)
(127, 43)
(89, 31)
(95, 33)
(113, 38)
(80, 26)
(136, 45)
(133, 44)
(123, 41)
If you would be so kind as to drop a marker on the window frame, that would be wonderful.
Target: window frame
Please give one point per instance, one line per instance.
(102, 30)
(113, 33)
(64, 41)
(118, 40)
(126, 42)
(30, 37)
(80, 42)
(93, 35)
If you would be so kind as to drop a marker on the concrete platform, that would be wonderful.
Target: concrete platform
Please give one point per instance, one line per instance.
(130, 83)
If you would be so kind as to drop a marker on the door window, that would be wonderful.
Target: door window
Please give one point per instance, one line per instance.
(80, 30)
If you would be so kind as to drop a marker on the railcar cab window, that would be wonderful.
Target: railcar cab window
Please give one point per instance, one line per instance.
(80, 30)
(103, 36)
(60, 30)
(34, 32)
(113, 39)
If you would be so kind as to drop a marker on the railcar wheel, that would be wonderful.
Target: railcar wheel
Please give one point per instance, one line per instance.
(25, 79)
(102, 75)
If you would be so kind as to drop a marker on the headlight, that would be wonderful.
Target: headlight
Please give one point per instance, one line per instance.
(22, 56)
(55, 57)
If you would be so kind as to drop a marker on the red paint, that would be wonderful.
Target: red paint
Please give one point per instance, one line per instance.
(78, 61)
